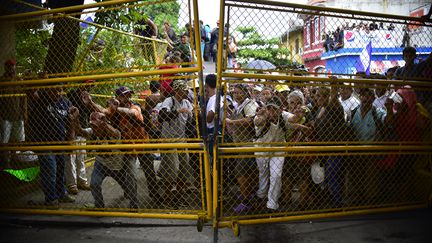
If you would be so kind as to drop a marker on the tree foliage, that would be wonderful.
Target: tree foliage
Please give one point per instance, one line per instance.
(126, 18)
(105, 49)
(31, 48)
(253, 46)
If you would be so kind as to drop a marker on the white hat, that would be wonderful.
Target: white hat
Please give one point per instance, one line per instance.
(258, 88)
(193, 83)
(26, 156)
(317, 173)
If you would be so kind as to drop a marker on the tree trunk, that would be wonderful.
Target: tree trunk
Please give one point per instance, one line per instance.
(64, 41)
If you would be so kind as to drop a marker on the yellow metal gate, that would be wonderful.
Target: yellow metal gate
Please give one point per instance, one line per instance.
(310, 126)
(81, 133)
(104, 111)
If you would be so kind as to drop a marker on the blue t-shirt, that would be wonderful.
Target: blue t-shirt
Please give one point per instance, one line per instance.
(366, 128)
(49, 118)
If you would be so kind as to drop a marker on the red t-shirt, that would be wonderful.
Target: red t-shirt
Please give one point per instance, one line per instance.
(166, 80)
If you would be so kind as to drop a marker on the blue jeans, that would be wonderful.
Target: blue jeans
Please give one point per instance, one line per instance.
(125, 177)
(202, 49)
(230, 62)
(334, 178)
(52, 175)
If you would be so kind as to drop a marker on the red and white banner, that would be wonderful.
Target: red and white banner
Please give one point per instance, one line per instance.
(379, 38)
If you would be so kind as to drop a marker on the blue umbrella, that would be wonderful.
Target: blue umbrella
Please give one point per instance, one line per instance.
(260, 64)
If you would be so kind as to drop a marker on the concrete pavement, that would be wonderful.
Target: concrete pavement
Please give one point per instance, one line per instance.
(412, 226)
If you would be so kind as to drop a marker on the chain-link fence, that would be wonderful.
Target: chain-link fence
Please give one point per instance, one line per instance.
(321, 111)
(100, 110)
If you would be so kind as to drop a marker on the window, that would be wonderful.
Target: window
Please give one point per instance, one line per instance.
(316, 30)
(297, 46)
(322, 27)
(308, 37)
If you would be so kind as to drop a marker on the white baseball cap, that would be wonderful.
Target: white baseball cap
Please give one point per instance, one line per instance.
(317, 173)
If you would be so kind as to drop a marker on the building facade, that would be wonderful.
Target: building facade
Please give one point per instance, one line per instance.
(349, 41)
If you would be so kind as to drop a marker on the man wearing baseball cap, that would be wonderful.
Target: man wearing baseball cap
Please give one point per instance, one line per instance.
(174, 114)
(126, 116)
(272, 124)
(11, 114)
(75, 170)
(111, 165)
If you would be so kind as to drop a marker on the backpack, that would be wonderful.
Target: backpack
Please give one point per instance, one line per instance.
(207, 33)
(203, 33)
(190, 128)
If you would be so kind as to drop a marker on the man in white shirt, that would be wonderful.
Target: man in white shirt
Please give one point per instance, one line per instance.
(271, 127)
(175, 169)
(348, 101)
(210, 96)
(381, 97)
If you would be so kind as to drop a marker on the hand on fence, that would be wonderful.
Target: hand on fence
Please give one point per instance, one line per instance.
(389, 104)
(261, 111)
(73, 113)
(86, 98)
(183, 110)
(113, 105)
(228, 123)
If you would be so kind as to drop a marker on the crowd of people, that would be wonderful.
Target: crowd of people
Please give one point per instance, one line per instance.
(334, 40)
(256, 112)
(179, 42)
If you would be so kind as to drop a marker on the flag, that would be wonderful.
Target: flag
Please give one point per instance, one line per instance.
(365, 58)
(84, 24)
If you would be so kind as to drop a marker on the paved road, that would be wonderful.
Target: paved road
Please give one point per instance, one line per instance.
(209, 67)
(411, 226)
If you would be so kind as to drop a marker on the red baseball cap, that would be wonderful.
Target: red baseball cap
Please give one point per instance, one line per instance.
(10, 62)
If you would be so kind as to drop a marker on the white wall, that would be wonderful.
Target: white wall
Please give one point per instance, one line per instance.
(398, 7)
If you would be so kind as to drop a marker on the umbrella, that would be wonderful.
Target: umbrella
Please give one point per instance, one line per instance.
(260, 64)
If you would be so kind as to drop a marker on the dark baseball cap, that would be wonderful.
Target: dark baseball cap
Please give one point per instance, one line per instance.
(123, 90)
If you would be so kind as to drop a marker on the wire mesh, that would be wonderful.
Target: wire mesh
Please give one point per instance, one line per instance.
(132, 140)
(105, 143)
(126, 36)
(104, 180)
(313, 99)
(281, 184)
(289, 37)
